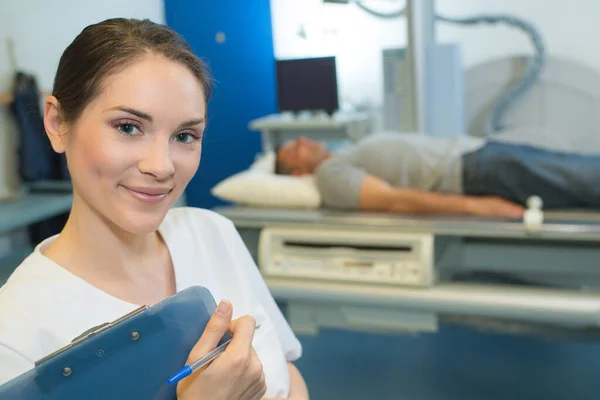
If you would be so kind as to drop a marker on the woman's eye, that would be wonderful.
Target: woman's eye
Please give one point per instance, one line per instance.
(184, 137)
(127, 129)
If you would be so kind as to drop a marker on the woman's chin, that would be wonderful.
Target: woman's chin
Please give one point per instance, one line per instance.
(141, 223)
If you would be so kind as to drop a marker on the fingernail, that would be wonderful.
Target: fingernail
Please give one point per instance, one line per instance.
(223, 307)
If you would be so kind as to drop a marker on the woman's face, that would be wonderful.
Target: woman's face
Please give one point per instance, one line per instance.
(136, 146)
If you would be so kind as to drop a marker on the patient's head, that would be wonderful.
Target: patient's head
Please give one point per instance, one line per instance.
(300, 157)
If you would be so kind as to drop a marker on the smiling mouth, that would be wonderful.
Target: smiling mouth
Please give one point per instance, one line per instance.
(148, 195)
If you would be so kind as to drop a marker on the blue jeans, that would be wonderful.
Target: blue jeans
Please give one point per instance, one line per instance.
(515, 172)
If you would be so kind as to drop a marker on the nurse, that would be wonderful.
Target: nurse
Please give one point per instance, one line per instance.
(128, 109)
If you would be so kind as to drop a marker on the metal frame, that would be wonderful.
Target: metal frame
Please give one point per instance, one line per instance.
(564, 295)
(276, 129)
(420, 17)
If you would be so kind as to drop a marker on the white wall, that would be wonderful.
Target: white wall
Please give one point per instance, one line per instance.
(40, 30)
(353, 36)
(356, 38)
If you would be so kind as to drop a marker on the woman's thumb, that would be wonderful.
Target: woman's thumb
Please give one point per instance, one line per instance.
(215, 329)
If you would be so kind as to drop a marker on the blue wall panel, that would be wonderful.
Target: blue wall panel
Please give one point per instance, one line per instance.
(245, 88)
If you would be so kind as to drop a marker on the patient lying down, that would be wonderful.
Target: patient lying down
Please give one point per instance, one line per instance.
(415, 174)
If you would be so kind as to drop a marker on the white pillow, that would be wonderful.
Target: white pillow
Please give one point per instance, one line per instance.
(264, 162)
(259, 186)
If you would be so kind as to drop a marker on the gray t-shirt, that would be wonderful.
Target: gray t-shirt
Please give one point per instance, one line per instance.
(403, 160)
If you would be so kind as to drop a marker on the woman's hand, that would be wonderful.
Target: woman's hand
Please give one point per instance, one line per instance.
(237, 374)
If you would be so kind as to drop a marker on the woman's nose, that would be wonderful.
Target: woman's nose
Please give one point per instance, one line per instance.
(157, 160)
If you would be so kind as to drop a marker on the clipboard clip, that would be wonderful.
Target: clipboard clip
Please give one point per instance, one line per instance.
(91, 332)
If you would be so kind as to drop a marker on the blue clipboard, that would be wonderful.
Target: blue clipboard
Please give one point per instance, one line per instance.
(130, 358)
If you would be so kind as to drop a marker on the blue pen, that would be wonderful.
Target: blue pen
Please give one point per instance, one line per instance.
(201, 362)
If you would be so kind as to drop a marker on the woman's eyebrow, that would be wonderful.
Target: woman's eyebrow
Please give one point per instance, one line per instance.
(148, 117)
(191, 122)
(133, 111)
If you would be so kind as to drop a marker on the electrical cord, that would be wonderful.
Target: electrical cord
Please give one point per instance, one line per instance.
(500, 111)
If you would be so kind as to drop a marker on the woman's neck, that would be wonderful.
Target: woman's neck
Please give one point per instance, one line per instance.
(122, 264)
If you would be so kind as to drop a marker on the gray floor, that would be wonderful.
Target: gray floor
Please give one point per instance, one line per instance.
(456, 363)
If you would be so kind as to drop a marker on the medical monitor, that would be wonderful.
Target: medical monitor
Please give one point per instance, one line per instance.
(307, 84)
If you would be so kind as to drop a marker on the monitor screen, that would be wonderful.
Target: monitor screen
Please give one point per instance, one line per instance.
(307, 84)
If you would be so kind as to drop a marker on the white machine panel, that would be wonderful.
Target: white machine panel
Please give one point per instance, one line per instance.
(401, 259)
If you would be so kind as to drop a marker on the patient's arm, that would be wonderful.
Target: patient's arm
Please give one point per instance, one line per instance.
(378, 195)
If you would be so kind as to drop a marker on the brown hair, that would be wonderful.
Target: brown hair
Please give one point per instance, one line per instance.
(103, 48)
(281, 167)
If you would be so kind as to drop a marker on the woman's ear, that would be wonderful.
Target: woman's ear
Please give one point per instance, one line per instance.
(53, 124)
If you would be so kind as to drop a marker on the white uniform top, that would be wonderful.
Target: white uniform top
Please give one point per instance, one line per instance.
(43, 307)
